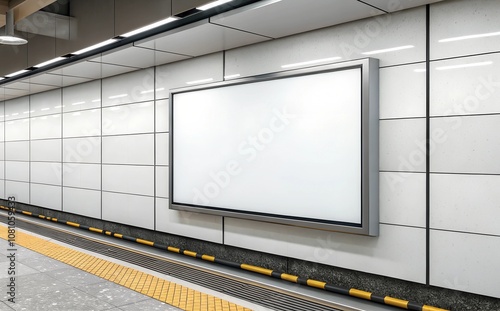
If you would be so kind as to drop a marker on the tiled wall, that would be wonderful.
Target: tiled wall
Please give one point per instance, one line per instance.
(100, 149)
(465, 158)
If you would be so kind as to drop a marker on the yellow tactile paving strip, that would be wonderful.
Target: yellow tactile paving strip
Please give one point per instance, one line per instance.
(171, 293)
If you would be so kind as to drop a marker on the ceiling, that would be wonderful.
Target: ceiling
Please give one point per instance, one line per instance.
(261, 21)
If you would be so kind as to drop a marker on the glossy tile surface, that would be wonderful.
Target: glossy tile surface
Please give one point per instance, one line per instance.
(128, 149)
(464, 145)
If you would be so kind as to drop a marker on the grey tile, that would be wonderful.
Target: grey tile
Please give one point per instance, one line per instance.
(33, 284)
(149, 305)
(113, 293)
(43, 264)
(5, 306)
(17, 267)
(74, 276)
(70, 299)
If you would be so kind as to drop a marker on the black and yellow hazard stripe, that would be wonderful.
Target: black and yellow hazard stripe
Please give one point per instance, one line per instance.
(353, 292)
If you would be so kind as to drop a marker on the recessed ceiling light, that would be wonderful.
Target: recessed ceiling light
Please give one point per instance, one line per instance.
(95, 46)
(212, 5)
(150, 26)
(54, 60)
(16, 73)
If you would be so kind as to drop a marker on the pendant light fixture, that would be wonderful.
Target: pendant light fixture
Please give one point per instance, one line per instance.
(9, 37)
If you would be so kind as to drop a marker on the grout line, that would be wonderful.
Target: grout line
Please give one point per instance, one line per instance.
(427, 148)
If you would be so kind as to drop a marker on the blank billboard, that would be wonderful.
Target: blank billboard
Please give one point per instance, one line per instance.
(291, 148)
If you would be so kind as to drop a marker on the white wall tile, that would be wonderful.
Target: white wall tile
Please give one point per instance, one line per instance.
(82, 175)
(2, 151)
(162, 116)
(465, 262)
(128, 209)
(82, 202)
(403, 198)
(19, 190)
(17, 151)
(389, 254)
(128, 119)
(46, 150)
(2, 189)
(128, 179)
(17, 130)
(402, 145)
(467, 203)
(46, 127)
(2, 131)
(2, 111)
(459, 90)
(82, 150)
(162, 149)
(193, 225)
(162, 181)
(46, 103)
(177, 74)
(348, 41)
(46, 173)
(129, 149)
(17, 171)
(16, 108)
(82, 96)
(402, 91)
(46, 196)
(2, 169)
(468, 18)
(466, 145)
(131, 87)
(82, 123)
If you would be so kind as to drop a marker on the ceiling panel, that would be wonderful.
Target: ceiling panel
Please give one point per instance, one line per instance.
(91, 70)
(140, 57)
(277, 19)
(393, 6)
(37, 88)
(202, 38)
(47, 79)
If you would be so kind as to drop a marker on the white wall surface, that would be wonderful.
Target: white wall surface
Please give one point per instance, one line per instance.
(113, 158)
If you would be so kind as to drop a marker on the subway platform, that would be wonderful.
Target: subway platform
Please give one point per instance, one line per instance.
(49, 266)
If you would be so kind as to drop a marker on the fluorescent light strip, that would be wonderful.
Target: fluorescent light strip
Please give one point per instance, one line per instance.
(118, 96)
(150, 26)
(311, 62)
(54, 60)
(464, 65)
(95, 46)
(212, 5)
(200, 81)
(404, 47)
(232, 76)
(481, 35)
(16, 73)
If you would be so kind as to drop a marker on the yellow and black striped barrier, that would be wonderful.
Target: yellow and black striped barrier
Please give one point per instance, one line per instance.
(353, 292)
